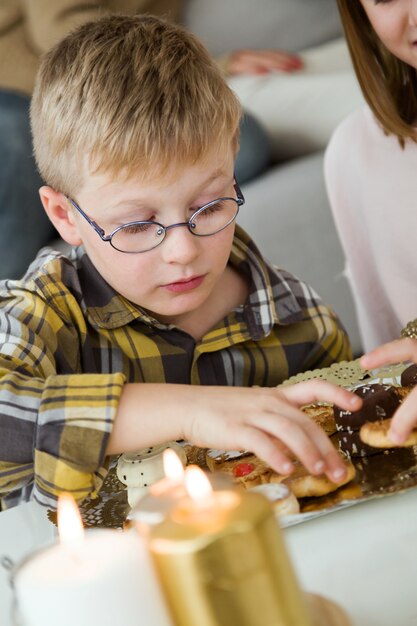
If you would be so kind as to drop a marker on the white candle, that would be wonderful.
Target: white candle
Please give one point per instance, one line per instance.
(104, 578)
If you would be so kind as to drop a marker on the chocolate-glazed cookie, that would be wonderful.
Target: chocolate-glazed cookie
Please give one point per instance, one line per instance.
(379, 402)
(409, 376)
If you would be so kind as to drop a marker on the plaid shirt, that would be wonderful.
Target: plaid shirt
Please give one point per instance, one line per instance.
(69, 342)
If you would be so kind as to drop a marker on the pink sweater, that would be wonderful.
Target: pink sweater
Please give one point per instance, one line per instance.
(372, 187)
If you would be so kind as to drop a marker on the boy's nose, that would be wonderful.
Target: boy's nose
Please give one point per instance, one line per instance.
(179, 245)
(412, 14)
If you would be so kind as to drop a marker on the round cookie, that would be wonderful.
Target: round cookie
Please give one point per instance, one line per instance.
(244, 468)
(375, 434)
(281, 496)
(379, 402)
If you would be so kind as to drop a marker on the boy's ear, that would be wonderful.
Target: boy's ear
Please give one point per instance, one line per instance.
(60, 213)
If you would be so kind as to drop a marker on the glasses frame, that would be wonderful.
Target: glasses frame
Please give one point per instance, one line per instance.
(240, 201)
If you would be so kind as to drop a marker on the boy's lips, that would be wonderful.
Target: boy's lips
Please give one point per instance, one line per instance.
(185, 285)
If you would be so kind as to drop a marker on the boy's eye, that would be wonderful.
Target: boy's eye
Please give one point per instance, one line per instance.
(134, 229)
(214, 208)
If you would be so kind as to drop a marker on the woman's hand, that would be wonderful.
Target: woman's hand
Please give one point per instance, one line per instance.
(405, 418)
(262, 62)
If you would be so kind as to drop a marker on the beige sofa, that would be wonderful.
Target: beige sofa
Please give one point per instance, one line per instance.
(287, 210)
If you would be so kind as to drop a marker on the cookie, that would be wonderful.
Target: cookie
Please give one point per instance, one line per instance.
(281, 496)
(375, 434)
(195, 455)
(243, 467)
(305, 485)
(402, 392)
(323, 416)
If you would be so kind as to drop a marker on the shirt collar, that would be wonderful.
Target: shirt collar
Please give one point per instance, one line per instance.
(271, 299)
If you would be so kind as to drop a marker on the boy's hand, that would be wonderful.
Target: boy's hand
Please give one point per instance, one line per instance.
(262, 62)
(266, 421)
(269, 423)
(405, 418)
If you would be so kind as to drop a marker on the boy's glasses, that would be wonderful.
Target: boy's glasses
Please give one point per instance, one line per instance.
(143, 236)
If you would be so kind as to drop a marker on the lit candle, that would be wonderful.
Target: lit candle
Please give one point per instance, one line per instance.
(165, 494)
(162, 495)
(101, 577)
(140, 470)
(221, 560)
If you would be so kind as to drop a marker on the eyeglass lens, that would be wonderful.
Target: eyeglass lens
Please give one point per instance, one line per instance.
(142, 236)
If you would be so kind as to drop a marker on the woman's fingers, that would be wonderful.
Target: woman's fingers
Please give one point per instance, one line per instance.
(393, 352)
(405, 419)
(263, 61)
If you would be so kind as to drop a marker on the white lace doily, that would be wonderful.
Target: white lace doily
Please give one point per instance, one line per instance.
(350, 374)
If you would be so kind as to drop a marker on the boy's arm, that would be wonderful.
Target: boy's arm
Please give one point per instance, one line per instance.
(54, 428)
(266, 421)
(54, 432)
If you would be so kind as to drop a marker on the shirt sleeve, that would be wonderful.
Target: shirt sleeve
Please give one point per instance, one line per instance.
(54, 425)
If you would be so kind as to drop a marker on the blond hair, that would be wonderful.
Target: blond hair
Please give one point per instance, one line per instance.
(389, 85)
(127, 95)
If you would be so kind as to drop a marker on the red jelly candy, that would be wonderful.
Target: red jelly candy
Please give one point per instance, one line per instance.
(243, 469)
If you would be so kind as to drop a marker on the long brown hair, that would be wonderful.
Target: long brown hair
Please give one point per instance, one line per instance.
(388, 84)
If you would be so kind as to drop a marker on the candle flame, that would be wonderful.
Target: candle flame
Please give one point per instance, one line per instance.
(173, 467)
(70, 525)
(198, 485)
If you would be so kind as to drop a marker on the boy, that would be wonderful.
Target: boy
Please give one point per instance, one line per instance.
(143, 333)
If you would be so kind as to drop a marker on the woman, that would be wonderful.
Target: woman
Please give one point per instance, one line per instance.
(371, 167)
(371, 173)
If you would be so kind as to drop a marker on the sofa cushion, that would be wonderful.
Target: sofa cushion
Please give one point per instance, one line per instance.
(292, 25)
(288, 215)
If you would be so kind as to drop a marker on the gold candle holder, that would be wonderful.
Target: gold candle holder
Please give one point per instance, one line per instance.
(223, 561)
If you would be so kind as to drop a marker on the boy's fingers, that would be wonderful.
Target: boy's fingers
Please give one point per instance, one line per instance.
(266, 448)
(330, 461)
(335, 467)
(303, 438)
(320, 390)
(393, 352)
